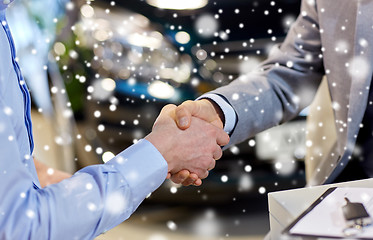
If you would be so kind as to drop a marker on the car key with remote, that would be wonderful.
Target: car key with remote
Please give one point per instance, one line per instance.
(356, 217)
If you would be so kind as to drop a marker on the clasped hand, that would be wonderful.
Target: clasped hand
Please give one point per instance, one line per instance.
(189, 137)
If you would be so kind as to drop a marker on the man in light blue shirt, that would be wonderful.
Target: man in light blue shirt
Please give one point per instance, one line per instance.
(97, 197)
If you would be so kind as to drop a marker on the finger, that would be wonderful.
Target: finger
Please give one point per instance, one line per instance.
(218, 153)
(180, 176)
(222, 138)
(212, 165)
(204, 175)
(194, 176)
(198, 182)
(184, 113)
(168, 110)
(190, 180)
(168, 175)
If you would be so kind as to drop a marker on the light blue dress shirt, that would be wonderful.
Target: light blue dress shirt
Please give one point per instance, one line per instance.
(92, 201)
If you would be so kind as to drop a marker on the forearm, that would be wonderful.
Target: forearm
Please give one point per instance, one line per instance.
(282, 85)
(92, 201)
(48, 175)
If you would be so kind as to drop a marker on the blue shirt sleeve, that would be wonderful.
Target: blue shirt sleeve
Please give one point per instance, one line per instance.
(92, 201)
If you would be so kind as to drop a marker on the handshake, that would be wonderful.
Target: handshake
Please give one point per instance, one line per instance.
(189, 137)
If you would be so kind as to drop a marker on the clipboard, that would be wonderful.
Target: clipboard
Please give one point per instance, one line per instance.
(332, 194)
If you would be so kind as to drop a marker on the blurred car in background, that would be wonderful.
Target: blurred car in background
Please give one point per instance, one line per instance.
(123, 61)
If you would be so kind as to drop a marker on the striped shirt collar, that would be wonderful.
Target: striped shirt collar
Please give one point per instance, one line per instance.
(4, 3)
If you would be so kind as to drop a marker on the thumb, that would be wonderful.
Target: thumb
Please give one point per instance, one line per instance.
(184, 113)
(203, 109)
(167, 111)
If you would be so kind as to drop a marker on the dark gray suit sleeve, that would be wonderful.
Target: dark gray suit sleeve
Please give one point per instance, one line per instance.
(282, 85)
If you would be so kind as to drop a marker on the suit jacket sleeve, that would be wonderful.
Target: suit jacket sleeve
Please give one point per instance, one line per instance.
(282, 85)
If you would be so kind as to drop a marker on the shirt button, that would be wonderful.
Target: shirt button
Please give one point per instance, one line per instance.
(6, 1)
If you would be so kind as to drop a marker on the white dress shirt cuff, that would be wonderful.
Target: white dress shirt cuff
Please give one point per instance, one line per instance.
(228, 111)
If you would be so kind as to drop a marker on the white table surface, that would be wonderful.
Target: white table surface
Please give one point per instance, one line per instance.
(285, 206)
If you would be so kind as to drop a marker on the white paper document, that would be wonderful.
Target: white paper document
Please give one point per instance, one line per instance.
(325, 217)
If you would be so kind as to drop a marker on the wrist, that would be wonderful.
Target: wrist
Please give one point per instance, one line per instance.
(216, 108)
(162, 146)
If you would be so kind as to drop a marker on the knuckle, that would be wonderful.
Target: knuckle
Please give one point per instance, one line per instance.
(227, 139)
(212, 147)
(183, 108)
(218, 148)
(180, 107)
(175, 180)
(200, 172)
(212, 131)
(170, 106)
(187, 102)
(213, 163)
(189, 181)
(207, 162)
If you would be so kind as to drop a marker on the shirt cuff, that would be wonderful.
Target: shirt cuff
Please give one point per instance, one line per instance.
(143, 167)
(228, 111)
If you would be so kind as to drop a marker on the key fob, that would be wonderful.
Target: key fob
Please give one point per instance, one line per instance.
(356, 214)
